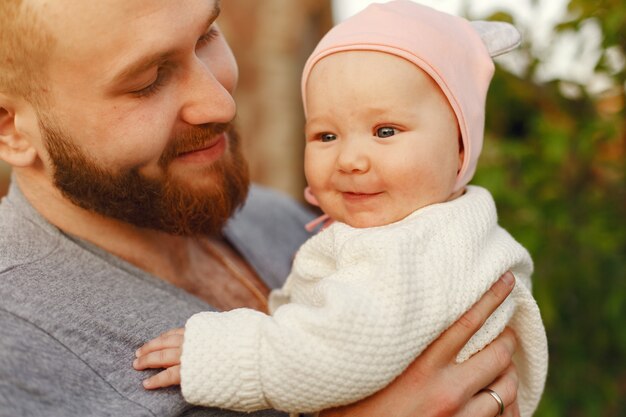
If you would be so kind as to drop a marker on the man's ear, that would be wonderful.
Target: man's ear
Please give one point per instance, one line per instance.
(15, 145)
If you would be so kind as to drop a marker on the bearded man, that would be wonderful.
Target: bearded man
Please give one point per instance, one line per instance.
(130, 210)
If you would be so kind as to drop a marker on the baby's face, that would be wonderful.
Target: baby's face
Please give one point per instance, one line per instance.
(381, 138)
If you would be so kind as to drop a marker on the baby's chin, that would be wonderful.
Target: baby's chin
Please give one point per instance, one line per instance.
(370, 214)
(370, 220)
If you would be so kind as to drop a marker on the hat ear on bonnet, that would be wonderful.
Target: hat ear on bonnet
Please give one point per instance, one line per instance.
(498, 37)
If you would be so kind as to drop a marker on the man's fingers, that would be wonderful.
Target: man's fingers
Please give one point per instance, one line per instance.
(494, 360)
(166, 378)
(454, 338)
(171, 339)
(512, 410)
(506, 387)
(177, 330)
(486, 404)
(158, 359)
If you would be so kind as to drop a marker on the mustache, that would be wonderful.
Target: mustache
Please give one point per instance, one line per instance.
(195, 137)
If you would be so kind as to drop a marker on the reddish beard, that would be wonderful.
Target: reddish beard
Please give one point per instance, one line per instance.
(167, 204)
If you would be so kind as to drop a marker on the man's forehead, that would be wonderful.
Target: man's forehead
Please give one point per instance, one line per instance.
(113, 14)
(101, 35)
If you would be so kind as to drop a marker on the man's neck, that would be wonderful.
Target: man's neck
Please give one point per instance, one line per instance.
(141, 247)
(206, 267)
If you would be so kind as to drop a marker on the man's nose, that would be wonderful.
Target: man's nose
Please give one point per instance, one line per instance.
(353, 156)
(206, 98)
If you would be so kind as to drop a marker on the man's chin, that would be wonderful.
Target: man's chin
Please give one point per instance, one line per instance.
(187, 199)
(196, 179)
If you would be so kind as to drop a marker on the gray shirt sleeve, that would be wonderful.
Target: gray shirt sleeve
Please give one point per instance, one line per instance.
(41, 377)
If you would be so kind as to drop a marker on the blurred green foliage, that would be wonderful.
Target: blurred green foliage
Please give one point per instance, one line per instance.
(556, 168)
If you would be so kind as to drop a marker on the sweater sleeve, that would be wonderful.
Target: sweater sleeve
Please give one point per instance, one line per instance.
(352, 334)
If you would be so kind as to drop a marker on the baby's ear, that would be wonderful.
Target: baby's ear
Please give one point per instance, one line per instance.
(498, 37)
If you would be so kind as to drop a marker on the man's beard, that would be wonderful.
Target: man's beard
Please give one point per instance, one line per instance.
(167, 204)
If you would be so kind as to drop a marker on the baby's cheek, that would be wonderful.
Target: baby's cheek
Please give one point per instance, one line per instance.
(330, 204)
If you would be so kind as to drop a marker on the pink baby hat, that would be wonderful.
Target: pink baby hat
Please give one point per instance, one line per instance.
(456, 53)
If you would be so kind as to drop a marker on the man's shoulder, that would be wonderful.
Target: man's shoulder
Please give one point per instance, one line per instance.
(265, 204)
(270, 216)
(23, 240)
(268, 230)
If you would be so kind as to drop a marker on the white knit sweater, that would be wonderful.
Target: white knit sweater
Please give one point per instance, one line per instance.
(359, 306)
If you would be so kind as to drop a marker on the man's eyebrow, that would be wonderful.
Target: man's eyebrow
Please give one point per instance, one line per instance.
(145, 63)
(140, 66)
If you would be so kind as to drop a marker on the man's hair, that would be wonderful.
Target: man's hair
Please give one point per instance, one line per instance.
(25, 46)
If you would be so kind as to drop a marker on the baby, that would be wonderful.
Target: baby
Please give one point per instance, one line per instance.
(394, 100)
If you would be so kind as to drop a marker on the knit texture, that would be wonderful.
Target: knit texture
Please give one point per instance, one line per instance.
(359, 306)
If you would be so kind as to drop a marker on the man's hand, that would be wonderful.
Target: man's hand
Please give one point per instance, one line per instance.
(435, 385)
(161, 352)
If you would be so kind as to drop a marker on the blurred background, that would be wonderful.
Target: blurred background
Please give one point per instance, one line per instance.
(554, 159)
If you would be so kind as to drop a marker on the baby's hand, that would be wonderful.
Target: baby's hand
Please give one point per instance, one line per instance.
(161, 352)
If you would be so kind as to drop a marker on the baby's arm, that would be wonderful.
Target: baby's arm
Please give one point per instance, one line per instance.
(353, 337)
(161, 352)
(433, 372)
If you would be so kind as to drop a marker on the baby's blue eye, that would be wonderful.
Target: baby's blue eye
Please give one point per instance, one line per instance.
(385, 132)
(328, 137)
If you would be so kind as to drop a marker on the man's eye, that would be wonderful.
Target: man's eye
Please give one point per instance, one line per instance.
(153, 87)
(385, 132)
(328, 137)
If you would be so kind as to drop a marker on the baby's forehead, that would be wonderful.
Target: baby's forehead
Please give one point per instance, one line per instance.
(347, 68)
(373, 86)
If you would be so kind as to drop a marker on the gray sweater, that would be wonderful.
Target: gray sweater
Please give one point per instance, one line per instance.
(72, 315)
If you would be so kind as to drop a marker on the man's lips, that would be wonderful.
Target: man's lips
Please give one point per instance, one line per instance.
(207, 153)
